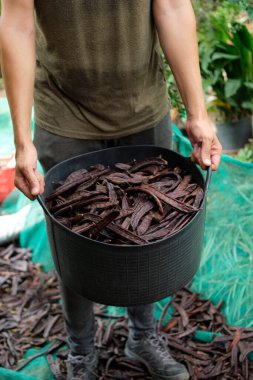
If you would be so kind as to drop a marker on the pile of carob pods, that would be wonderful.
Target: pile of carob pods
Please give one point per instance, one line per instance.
(31, 316)
(128, 203)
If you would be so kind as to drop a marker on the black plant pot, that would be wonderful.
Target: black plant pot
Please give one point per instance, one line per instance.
(234, 135)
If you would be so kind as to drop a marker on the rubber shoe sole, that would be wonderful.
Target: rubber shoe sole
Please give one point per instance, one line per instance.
(155, 376)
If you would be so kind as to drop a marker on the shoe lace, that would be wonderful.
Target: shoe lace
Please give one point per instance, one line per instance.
(160, 343)
(81, 363)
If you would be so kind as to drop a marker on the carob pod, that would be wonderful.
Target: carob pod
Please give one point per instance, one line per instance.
(31, 315)
(70, 184)
(152, 201)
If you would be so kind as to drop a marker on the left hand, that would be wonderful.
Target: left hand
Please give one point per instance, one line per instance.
(206, 146)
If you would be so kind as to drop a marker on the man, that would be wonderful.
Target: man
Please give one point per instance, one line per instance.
(99, 82)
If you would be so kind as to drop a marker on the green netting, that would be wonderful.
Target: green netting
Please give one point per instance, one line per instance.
(226, 269)
(37, 369)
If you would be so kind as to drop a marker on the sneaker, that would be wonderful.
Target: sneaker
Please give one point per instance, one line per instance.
(82, 367)
(152, 351)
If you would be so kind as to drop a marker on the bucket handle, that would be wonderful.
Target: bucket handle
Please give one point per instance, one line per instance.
(208, 179)
(39, 199)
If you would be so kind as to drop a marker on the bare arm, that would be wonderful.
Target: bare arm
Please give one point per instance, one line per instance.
(17, 37)
(176, 26)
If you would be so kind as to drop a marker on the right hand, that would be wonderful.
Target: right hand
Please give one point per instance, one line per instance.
(27, 178)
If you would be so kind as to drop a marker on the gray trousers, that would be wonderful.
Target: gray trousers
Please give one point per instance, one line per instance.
(77, 310)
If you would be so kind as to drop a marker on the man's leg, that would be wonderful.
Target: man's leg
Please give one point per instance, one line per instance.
(141, 318)
(79, 321)
(77, 310)
(143, 343)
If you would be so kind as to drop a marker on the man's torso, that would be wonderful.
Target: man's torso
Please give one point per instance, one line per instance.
(99, 68)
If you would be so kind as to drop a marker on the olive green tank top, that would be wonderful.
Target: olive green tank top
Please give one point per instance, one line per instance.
(99, 68)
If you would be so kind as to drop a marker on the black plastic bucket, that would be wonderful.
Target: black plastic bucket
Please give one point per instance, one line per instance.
(125, 275)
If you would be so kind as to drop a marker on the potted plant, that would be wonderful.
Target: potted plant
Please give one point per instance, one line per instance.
(227, 67)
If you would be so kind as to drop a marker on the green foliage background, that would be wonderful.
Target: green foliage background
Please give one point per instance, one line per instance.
(215, 20)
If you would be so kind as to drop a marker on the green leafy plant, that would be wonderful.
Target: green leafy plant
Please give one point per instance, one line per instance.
(226, 57)
(230, 72)
(216, 20)
(246, 154)
(246, 5)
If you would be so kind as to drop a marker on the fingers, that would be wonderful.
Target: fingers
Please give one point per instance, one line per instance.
(21, 183)
(30, 181)
(33, 182)
(206, 146)
(216, 153)
(196, 156)
(205, 155)
(215, 161)
(27, 178)
(40, 178)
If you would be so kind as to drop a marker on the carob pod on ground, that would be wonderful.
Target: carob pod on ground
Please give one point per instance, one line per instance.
(31, 315)
(149, 192)
(223, 358)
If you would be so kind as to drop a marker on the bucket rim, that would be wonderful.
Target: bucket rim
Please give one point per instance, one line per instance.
(206, 183)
